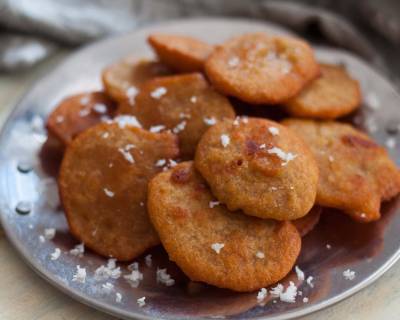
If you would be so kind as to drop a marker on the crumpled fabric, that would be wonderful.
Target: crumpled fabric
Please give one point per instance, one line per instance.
(30, 30)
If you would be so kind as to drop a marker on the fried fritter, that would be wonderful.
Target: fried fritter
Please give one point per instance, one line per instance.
(261, 69)
(334, 94)
(185, 104)
(356, 174)
(76, 113)
(305, 224)
(122, 80)
(181, 53)
(213, 245)
(260, 167)
(103, 187)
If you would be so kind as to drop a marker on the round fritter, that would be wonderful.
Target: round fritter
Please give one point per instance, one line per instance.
(213, 245)
(185, 104)
(261, 69)
(260, 167)
(355, 172)
(332, 95)
(103, 187)
(77, 113)
(123, 79)
(181, 53)
(305, 224)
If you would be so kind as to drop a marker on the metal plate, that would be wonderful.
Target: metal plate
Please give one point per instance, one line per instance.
(369, 250)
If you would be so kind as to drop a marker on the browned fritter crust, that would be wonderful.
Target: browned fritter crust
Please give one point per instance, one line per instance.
(261, 69)
(181, 53)
(123, 79)
(179, 207)
(185, 107)
(265, 173)
(356, 174)
(76, 113)
(305, 224)
(334, 94)
(103, 187)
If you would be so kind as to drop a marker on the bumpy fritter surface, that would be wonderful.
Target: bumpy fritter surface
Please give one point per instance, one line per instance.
(103, 187)
(332, 95)
(260, 167)
(261, 69)
(122, 80)
(355, 172)
(185, 104)
(76, 113)
(253, 252)
(305, 224)
(181, 53)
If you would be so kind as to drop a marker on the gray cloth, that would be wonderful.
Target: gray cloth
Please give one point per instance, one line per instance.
(31, 30)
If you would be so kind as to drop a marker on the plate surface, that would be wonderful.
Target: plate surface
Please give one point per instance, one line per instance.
(369, 250)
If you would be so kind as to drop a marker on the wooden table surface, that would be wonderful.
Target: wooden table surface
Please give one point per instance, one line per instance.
(25, 296)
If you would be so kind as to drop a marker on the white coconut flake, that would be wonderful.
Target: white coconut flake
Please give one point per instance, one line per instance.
(59, 119)
(331, 158)
(157, 128)
(274, 131)
(299, 273)
(84, 100)
(212, 204)
(134, 278)
(172, 163)
(158, 92)
(164, 278)
(289, 295)
(84, 112)
(391, 143)
(126, 120)
(107, 287)
(217, 247)
(109, 271)
(108, 193)
(141, 302)
(118, 297)
(131, 93)
(285, 157)
(127, 155)
(160, 163)
(260, 255)
(209, 121)
(105, 135)
(225, 140)
(193, 99)
(276, 291)
(56, 254)
(349, 274)
(261, 295)
(100, 108)
(78, 250)
(148, 260)
(233, 62)
(80, 275)
(49, 233)
(179, 127)
(310, 281)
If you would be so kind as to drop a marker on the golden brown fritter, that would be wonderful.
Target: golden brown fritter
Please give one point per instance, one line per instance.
(260, 167)
(334, 94)
(122, 80)
(181, 53)
(356, 174)
(261, 69)
(213, 245)
(185, 104)
(305, 224)
(76, 113)
(103, 187)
